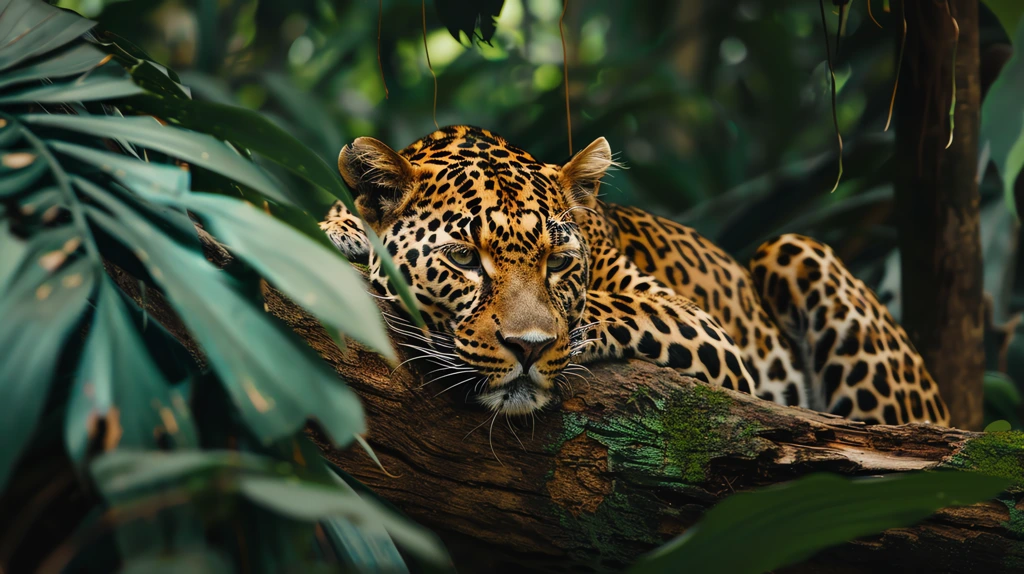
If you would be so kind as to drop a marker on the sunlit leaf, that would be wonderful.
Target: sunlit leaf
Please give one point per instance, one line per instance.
(998, 426)
(784, 524)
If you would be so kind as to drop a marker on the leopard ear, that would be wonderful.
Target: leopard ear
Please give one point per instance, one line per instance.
(581, 176)
(378, 176)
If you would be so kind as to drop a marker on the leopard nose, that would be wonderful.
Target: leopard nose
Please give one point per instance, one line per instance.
(527, 347)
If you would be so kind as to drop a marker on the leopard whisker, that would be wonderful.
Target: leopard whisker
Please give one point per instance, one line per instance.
(453, 386)
(509, 423)
(431, 381)
(490, 438)
(580, 367)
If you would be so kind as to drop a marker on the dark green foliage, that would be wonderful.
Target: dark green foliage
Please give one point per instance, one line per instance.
(754, 532)
(180, 463)
(465, 16)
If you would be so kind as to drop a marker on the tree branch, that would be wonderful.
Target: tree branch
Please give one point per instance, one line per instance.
(634, 458)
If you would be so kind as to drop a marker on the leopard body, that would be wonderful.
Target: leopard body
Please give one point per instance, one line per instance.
(522, 273)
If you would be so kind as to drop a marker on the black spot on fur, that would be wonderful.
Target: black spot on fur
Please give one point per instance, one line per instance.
(621, 334)
(649, 346)
(792, 396)
(866, 400)
(823, 348)
(679, 357)
(857, 373)
(843, 407)
(833, 378)
(709, 356)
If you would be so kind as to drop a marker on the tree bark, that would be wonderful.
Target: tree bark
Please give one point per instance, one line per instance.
(937, 200)
(632, 459)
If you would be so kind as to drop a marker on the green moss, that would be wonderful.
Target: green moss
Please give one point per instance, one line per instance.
(996, 453)
(609, 539)
(1016, 522)
(698, 427)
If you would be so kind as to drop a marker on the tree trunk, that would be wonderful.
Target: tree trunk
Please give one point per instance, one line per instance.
(937, 200)
(633, 459)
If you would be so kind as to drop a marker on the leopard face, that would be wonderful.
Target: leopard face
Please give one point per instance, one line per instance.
(483, 235)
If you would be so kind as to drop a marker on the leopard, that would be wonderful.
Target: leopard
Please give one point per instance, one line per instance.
(523, 275)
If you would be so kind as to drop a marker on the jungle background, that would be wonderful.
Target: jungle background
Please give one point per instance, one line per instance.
(722, 113)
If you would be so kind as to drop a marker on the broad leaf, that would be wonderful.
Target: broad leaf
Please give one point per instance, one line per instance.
(784, 524)
(311, 501)
(250, 130)
(309, 273)
(75, 60)
(30, 29)
(93, 87)
(200, 149)
(1002, 121)
(275, 381)
(39, 311)
(117, 382)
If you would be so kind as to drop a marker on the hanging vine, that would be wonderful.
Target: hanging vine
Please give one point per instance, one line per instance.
(832, 77)
(380, 20)
(426, 51)
(565, 72)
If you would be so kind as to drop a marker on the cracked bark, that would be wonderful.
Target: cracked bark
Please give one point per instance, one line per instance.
(633, 459)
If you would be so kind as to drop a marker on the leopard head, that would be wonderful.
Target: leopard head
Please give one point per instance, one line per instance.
(485, 236)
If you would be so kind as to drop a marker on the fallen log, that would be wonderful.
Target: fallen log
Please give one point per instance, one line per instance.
(632, 459)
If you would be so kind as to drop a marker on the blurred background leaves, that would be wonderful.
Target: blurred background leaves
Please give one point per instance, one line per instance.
(720, 110)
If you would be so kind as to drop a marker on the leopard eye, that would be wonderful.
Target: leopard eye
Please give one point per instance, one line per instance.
(464, 258)
(558, 262)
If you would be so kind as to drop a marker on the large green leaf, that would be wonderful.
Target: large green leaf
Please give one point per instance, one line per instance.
(250, 130)
(275, 381)
(77, 59)
(366, 547)
(93, 87)
(309, 273)
(1002, 121)
(787, 523)
(149, 180)
(253, 131)
(14, 181)
(192, 147)
(39, 311)
(30, 28)
(311, 501)
(118, 382)
(126, 475)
